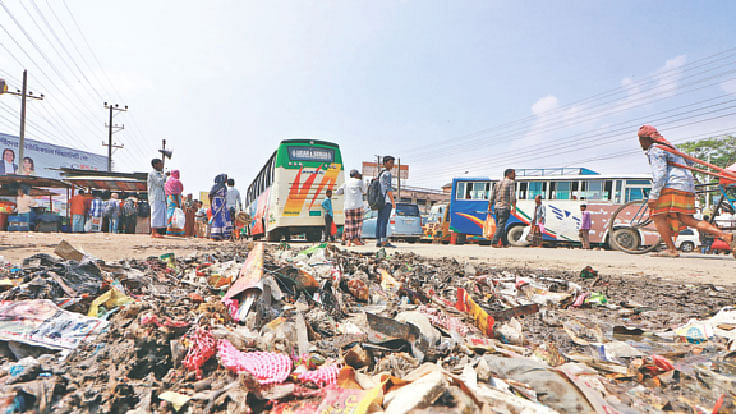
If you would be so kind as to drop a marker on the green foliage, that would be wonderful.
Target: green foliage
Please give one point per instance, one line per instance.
(722, 150)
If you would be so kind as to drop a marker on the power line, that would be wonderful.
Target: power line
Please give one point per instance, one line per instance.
(40, 69)
(624, 126)
(621, 89)
(597, 138)
(555, 124)
(136, 145)
(99, 64)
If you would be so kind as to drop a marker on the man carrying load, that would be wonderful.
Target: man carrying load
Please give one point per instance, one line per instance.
(672, 199)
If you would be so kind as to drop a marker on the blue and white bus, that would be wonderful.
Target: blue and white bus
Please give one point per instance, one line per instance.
(563, 190)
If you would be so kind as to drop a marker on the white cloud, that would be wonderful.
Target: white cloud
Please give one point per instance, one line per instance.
(544, 104)
(729, 86)
(668, 76)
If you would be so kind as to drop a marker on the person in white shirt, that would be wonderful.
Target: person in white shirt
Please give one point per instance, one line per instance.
(354, 188)
(24, 202)
(232, 202)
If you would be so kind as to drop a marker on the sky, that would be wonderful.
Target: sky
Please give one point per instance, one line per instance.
(449, 87)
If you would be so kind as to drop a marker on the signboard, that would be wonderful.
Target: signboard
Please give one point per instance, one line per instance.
(38, 157)
(369, 169)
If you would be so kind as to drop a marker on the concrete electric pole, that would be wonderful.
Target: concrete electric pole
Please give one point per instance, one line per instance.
(110, 127)
(24, 95)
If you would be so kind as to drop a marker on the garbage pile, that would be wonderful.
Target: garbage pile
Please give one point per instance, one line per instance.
(282, 329)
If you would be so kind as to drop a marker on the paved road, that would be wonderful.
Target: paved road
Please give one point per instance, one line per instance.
(690, 268)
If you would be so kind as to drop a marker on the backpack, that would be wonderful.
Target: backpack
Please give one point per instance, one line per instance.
(144, 209)
(376, 198)
(129, 208)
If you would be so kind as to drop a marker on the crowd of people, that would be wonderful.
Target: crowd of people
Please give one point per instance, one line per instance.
(108, 212)
(172, 215)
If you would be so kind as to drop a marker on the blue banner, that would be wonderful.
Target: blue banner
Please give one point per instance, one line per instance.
(40, 157)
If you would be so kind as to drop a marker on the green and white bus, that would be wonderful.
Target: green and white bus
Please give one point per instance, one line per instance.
(285, 197)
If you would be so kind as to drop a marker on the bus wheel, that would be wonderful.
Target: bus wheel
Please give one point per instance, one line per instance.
(515, 235)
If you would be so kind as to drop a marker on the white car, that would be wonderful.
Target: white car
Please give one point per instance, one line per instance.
(688, 240)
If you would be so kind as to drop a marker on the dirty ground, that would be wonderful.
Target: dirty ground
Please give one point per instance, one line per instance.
(312, 328)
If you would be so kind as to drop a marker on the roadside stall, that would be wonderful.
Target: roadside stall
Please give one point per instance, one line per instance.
(41, 216)
(129, 186)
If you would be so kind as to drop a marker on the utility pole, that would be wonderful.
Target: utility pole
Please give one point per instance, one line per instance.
(110, 127)
(398, 176)
(24, 95)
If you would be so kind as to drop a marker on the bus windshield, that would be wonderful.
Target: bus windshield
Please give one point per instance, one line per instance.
(311, 154)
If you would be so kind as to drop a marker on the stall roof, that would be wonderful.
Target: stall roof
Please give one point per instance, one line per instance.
(35, 192)
(33, 181)
(104, 180)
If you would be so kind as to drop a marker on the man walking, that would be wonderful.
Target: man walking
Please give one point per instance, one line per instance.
(384, 214)
(157, 198)
(503, 201)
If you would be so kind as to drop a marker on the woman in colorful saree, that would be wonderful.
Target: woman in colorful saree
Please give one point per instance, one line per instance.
(173, 188)
(219, 228)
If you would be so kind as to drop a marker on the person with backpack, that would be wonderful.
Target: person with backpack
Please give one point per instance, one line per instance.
(143, 222)
(383, 203)
(130, 216)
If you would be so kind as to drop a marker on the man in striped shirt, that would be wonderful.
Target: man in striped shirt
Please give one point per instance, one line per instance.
(504, 201)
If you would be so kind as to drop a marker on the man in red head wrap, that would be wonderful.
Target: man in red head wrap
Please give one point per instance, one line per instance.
(672, 199)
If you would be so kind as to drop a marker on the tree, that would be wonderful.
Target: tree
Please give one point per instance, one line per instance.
(719, 151)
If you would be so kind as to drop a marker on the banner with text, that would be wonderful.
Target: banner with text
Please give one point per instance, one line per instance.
(39, 157)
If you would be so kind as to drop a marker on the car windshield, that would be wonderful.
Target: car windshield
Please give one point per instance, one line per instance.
(407, 210)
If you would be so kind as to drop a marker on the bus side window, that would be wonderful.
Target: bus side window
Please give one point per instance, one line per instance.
(537, 188)
(480, 191)
(617, 197)
(608, 189)
(575, 190)
(468, 191)
(460, 191)
(522, 190)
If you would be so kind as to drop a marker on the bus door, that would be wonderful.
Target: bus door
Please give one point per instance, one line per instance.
(469, 206)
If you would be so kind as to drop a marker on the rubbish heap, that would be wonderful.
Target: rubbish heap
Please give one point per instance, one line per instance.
(282, 329)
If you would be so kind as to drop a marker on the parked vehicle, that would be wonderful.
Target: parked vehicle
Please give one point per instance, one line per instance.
(688, 240)
(404, 224)
(432, 227)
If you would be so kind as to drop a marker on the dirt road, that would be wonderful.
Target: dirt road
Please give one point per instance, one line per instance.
(691, 268)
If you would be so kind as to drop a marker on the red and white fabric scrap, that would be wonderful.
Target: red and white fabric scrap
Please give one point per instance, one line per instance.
(326, 375)
(266, 367)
